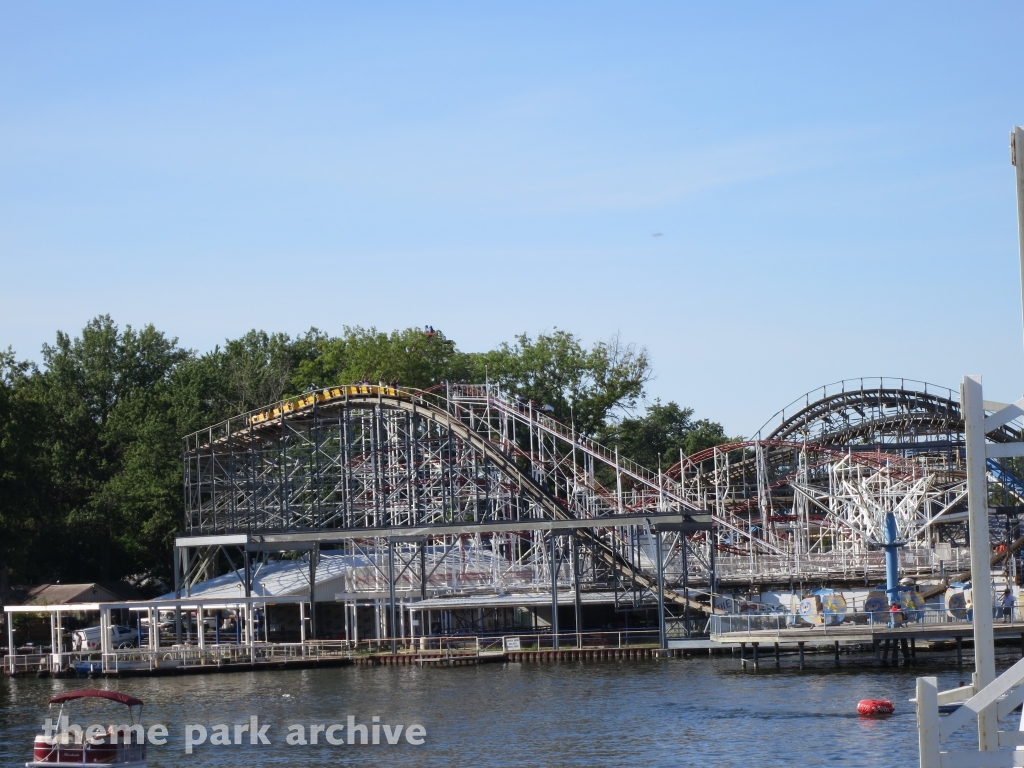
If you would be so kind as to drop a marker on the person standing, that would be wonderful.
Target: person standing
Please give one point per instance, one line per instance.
(1007, 601)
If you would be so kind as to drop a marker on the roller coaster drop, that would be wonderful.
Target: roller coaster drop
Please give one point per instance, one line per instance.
(466, 491)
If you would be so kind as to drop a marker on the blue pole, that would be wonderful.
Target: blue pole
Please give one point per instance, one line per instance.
(892, 561)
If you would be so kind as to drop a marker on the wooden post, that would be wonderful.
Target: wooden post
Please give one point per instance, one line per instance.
(928, 722)
(973, 407)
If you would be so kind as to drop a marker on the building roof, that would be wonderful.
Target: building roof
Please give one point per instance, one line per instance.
(277, 578)
(95, 592)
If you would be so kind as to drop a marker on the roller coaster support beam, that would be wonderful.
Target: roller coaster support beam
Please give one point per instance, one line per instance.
(291, 542)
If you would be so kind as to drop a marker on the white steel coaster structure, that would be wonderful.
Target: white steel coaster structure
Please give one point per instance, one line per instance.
(861, 494)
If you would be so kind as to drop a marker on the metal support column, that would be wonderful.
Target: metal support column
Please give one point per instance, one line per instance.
(11, 650)
(314, 561)
(662, 641)
(54, 646)
(104, 637)
(686, 582)
(250, 632)
(247, 576)
(423, 570)
(712, 577)
(177, 595)
(392, 622)
(554, 593)
(576, 584)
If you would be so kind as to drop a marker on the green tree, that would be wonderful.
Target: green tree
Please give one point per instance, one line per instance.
(113, 446)
(411, 357)
(587, 386)
(661, 433)
(251, 371)
(24, 502)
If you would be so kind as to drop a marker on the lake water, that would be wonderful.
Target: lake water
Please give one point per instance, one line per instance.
(678, 712)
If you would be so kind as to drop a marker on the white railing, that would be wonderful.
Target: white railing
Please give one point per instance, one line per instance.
(748, 623)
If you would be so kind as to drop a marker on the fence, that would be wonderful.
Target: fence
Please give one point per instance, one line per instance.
(871, 620)
(218, 655)
(849, 564)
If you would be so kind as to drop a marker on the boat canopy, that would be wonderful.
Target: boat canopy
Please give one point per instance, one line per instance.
(92, 693)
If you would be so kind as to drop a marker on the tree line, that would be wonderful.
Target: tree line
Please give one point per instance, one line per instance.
(90, 438)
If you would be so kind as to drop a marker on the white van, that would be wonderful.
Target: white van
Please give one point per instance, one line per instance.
(89, 639)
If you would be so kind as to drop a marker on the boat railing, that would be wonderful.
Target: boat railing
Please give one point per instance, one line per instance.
(188, 655)
(21, 663)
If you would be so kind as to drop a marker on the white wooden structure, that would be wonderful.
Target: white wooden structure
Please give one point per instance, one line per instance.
(988, 699)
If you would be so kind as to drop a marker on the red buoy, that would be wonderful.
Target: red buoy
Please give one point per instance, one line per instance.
(875, 707)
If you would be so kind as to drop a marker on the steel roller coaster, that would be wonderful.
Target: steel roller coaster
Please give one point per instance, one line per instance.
(466, 489)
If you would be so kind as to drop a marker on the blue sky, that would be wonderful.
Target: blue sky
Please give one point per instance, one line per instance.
(831, 182)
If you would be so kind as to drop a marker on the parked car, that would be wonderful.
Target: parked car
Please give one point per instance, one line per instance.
(165, 622)
(89, 639)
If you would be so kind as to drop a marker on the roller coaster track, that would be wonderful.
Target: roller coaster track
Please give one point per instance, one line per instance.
(260, 425)
(640, 475)
(856, 410)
